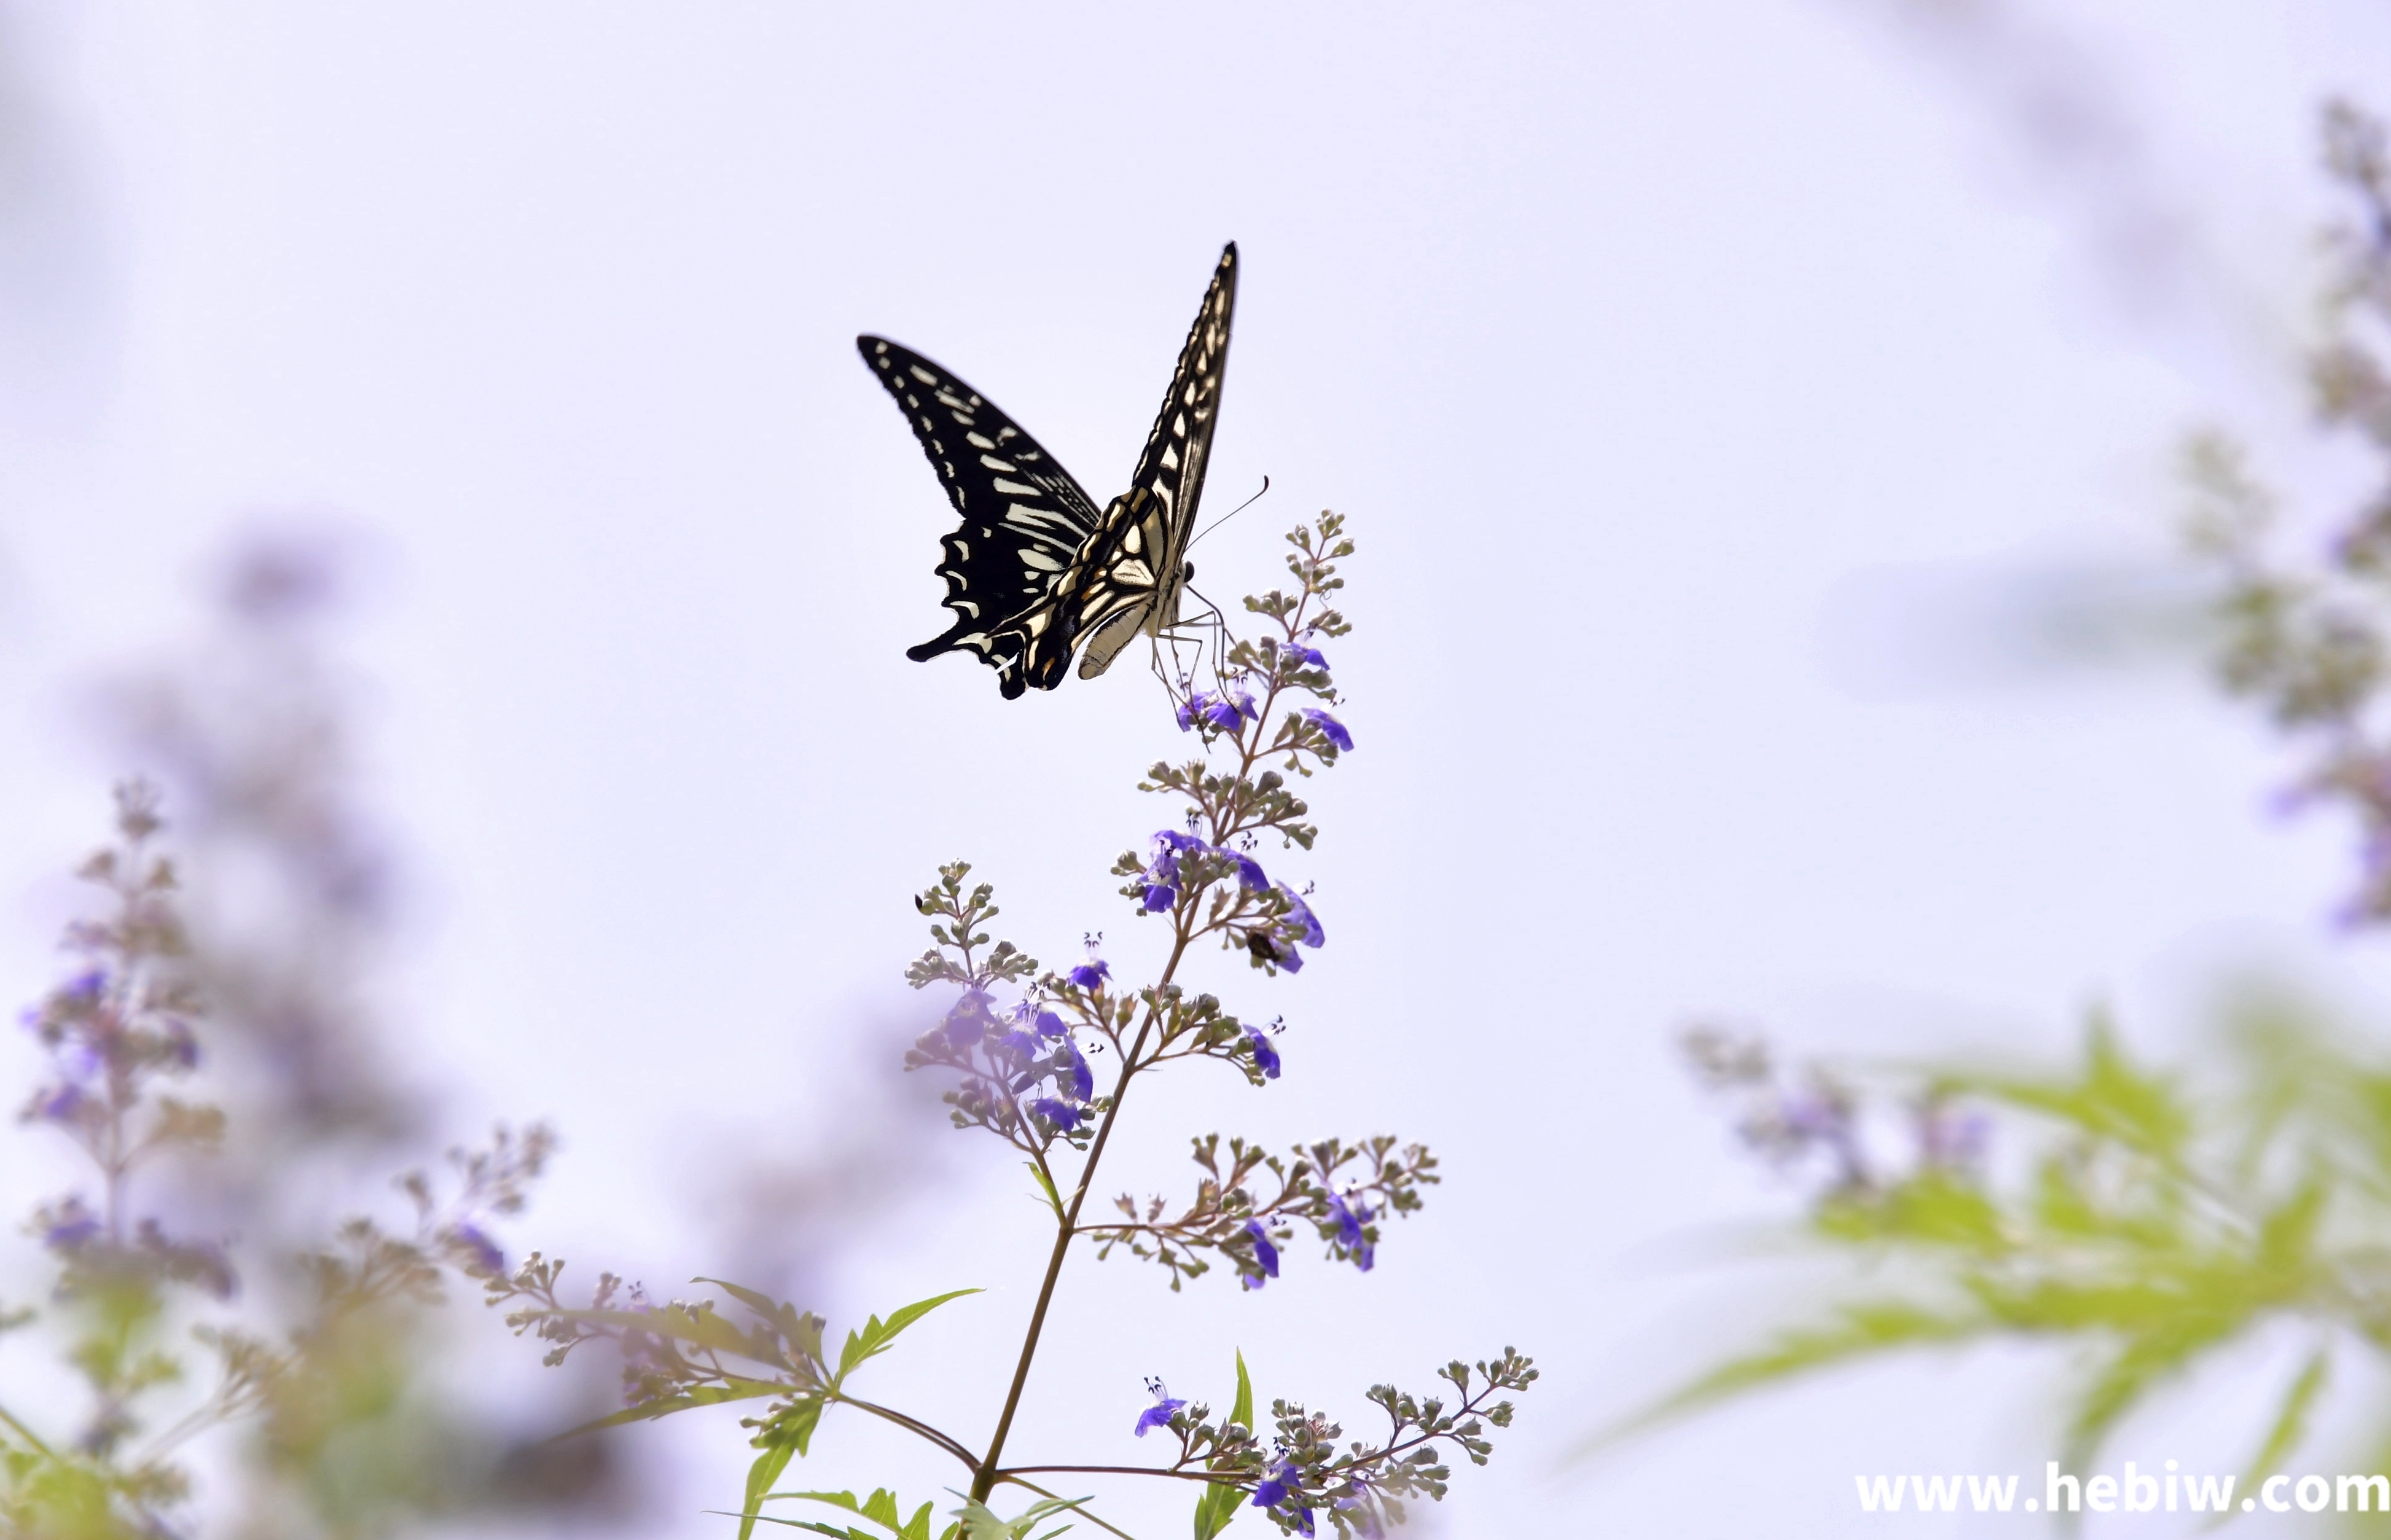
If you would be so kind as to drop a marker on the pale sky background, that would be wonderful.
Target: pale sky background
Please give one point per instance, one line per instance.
(1703, 379)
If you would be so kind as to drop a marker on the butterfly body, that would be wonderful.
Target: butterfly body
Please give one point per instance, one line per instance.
(1034, 570)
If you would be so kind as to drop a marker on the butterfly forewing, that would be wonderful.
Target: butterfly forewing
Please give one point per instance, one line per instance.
(1024, 521)
(1130, 577)
(1033, 570)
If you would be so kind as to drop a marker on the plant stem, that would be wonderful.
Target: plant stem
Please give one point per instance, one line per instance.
(984, 1480)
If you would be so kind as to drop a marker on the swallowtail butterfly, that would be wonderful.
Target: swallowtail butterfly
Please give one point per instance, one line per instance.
(1033, 570)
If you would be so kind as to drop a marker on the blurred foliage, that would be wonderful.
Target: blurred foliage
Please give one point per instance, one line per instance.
(211, 1058)
(2151, 1218)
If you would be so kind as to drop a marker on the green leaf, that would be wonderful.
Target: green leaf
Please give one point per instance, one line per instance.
(979, 1522)
(2292, 1419)
(880, 1508)
(760, 1476)
(877, 1334)
(703, 1328)
(1217, 1508)
(1860, 1332)
(747, 1518)
(1046, 1185)
(665, 1407)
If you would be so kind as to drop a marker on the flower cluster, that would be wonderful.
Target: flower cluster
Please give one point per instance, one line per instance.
(1020, 1042)
(1024, 1074)
(1342, 1191)
(1303, 1475)
(116, 1032)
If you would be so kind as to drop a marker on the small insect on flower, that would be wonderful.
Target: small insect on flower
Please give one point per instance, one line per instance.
(1158, 1415)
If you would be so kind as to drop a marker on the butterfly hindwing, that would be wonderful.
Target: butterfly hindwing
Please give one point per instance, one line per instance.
(1024, 521)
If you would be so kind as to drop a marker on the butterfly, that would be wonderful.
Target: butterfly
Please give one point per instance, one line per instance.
(1033, 570)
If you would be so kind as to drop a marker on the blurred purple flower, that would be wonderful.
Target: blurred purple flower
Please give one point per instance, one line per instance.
(62, 1106)
(1265, 1054)
(1060, 1113)
(486, 1256)
(969, 1021)
(70, 1226)
(1328, 725)
(1083, 1079)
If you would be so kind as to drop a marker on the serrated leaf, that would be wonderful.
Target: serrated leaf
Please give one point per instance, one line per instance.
(980, 1523)
(707, 1395)
(747, 1518)
(877, 1334)
(703, 1328)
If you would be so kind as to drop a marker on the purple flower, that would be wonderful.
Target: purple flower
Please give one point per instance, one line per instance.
(1348, 1229)
(85, 989)
(1083, 1079)
(1157, 1415)
(1061, 1114)
(1330, 727)
(1348, 1233)
(1266, 1254)
(1265, 1054)
(1159, 898)
(1050, 1026)
(1305, 655)
(486, 1256)
(1020, 1046)
(1249, 871)
(1299, 914)
(1193, 707)
(1087, 975)
(1271, 1490)
(1225, 715)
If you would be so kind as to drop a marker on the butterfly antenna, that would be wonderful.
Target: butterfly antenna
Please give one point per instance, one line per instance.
(1230, 514)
